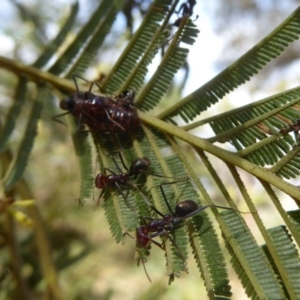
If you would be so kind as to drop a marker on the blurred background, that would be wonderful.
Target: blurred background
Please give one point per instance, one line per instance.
(97, 267)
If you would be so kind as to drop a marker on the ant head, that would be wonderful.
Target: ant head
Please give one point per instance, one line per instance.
(185, 208)
(126, 98)
(140, 165)
(127, 94)
(67, 103)
(100, 181)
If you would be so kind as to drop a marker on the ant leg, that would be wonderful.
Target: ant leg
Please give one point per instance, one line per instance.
(111, 120)
(125, 197)
(140, 257)
(55, 118)
(142, 194)
(164, 195)
(210, 205)
(92, 83)
(174, 243)
(99, 198)
(147, 218)
(161, 246)
(79, 122)
(121, 192)
(123, 163)
(75, 81)
(143, 262)
(109, 170)
(165, 233)
(126, 233)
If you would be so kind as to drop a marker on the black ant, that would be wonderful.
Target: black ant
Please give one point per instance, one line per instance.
(187, 8)
(114, 180)
(126, 98)
(163, 226)
(102, 113)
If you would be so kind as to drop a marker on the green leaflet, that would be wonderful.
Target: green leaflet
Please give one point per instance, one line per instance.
(288, 267)
(249, 261)
(137, 76)
(257, 131)
(173, 59)
(17, 166)
(52, 48)
(209, 256)
(142, 39)
(66, 59)
(237, 73)
(84, 157)
(13, 113)
(96, 38)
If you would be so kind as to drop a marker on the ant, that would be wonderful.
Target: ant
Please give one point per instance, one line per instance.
(102, 113)
(187, 8)
(167, 223)
(114, 180)
(126, 98)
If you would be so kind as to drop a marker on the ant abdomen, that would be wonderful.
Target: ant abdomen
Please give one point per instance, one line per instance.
(140, 165)
(186, 207)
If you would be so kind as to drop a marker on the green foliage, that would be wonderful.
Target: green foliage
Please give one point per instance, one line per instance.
(288, 260)
(259, 132)
(17, 167)
(254, 271)
(239, 72)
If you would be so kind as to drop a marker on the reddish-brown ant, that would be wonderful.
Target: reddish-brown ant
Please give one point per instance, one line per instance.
(139, 166)
(101, 113)
(114, 180)
(163, 226)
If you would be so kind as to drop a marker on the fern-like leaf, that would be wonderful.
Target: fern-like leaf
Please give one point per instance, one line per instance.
(170, 64)
(13, 113)
(289, 260)
(88, 52)
(84, 157)
(209, 256)
(66, 59)
(250, 263)
(60, 38)
(237, 73)
(17, 166)
(137, 46)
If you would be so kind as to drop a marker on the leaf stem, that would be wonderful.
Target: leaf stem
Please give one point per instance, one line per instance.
(227, 156)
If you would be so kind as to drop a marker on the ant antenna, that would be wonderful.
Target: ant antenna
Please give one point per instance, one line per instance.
(82, 78)
(143, 262)
(140, 257)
